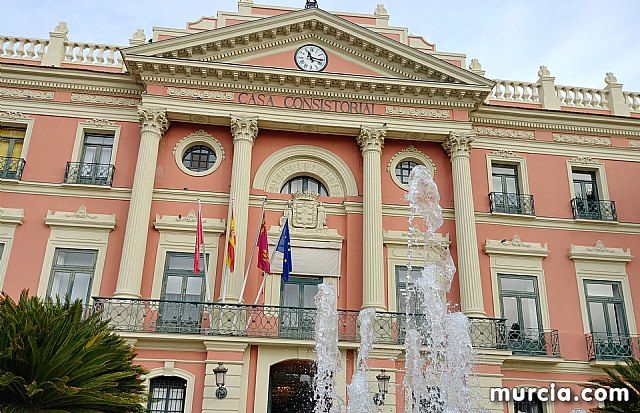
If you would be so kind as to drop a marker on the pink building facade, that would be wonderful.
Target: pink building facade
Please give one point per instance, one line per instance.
(317, 117)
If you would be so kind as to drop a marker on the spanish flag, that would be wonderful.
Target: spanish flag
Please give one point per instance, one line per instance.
(231, 244)
(264, 262)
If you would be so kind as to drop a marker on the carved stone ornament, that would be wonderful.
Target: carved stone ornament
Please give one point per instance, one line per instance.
(610, 78)
(139, 35)
(371, 138)
(81, 213)
(544, 71)
(305, 212)
(104, 100)
(26, 94)
(100, 122)
(14, 115)
(504, 133)
(62, 28)
(502, 153)
(475, 64)
(458, 144)
(244, 128)
(153, 119)
(634, 143)
(190, 217)
(581, 139)
(517, 242)
(381, 10)
(585, 160)
(600, 248)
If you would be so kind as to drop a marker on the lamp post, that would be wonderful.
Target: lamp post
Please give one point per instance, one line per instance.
(383, 387)
(220, 372)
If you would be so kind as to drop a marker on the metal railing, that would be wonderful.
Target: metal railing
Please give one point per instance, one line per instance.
(257, 321)
(594, 209)
(602, 346)
(508, 203)
(11, 168)
(534, 342)
(89, 173)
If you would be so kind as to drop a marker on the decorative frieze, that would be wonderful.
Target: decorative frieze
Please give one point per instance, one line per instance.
(585, 160)
(634, 143)
(14, 115)
(26, 94)
(313, 167)
(504, 133)
(582, 139)
(80, 218)
(104, 100)
(100, 122)
(424, 113)
(515, 246)
(504, 154)
(213, 95)
(599, 252)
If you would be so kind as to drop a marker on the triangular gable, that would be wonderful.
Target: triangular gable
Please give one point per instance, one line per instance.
(368, 51)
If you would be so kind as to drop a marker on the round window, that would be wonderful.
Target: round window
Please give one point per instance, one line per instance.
(199, 158)
(403, 170)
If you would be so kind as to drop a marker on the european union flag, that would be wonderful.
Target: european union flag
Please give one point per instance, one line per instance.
(284, 246)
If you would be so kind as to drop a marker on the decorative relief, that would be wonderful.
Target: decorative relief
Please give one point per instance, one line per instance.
(244, 128)
(81, 219)
(599, 252)
(80, 213)
(309, 167)
(634, 143)
(104, 100)
(201, 94)
(100, 122)
(516, 246)
(504, 133)
(418, 112)
(517, 242)
(585, 160)
(458, 144)
(581, 139)
(190, 217)
(305, 212)
(371, 137)
(26, 94)
(381, 10)
(505, 154)
(600, 248)
(153, 119)
(14, 115)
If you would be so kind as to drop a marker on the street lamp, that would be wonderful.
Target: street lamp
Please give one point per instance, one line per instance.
(220, 372)
(383, 387)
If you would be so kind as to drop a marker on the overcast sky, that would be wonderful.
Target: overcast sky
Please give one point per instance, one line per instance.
(579, 40)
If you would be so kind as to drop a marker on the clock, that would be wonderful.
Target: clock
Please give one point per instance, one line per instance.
(311, 58)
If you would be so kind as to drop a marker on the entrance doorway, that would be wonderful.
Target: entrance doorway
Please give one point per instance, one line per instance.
(291, 387)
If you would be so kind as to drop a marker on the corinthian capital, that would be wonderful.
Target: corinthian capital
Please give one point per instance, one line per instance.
(371, 137)
(244, 128)
(153, 119)
(458, 144)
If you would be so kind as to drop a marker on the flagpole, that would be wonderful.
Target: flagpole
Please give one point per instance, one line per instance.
(204, 254)
(225, 271)
(253, 252)
(264, 276)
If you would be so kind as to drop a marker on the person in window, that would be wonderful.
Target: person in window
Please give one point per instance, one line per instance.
(515, 334)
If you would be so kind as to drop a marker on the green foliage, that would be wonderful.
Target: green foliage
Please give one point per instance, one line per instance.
(621, 376)
(54, 360)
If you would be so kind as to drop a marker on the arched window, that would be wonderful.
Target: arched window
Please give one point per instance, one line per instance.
(199, 158)
(291, 387)
(166, 395)
(403, 170)
(304, 184)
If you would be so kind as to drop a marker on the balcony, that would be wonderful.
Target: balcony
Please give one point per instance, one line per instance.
(534, 342)
(604, 347)
(506, 203)
(89, 173)
(11, 168)
(257, 321)
(594, 209)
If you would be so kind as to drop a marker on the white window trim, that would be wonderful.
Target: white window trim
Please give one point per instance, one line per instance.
(10, 218)
(19, 120)
(170, 371)
(513, 159)
(95, 126)
(602, 263)
(516, 257)
(81, 231)
(592, 165)
(547, 406)
(177, 234)
(409, 154)
(397, 252)
(199, 137)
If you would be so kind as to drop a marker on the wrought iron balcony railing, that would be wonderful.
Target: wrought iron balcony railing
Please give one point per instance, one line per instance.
(237, 320)
(602, 346)
(11, 168)
(534, 342)
(594, 209)
(89, 173)
(507, 203)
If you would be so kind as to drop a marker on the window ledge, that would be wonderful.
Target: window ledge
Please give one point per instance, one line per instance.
(513, 216)
(91, 186)
(516, 358)
(595, 221)
(604, 363)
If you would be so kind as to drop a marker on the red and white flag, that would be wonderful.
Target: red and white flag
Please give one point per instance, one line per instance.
(199, 242)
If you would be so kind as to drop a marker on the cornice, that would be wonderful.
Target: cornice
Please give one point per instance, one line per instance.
(516, 247)
(11, 216)
(188, 223)
(599, 253)
(80, 219)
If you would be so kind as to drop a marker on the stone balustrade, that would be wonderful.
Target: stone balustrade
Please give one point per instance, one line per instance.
(515, 91)
(633, 100)
(92, 54)
(22, 48)
(582, 97)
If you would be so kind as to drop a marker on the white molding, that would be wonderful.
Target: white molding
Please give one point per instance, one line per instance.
(80, 219)
(170, 370)
(20, 120)
(199, 137)
(96, 125)
(600, 253)
(10, 218)
(297, 160)
(409, 154)
(509, 158)
(589, 164)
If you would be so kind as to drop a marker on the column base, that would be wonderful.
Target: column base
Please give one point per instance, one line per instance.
(475, 313)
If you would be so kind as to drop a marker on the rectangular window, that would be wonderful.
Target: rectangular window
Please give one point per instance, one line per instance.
(403, 287)
(505, 178)
(588, 202)
(534, 406)
(95, 166)
(506, 197)
(607, 319)
(520, 304)
(72, 274)
(298, 307)
(11, 141)
(97, 148)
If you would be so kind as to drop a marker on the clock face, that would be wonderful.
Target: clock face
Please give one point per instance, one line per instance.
(311, 58)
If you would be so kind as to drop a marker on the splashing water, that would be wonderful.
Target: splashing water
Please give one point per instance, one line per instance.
(359, 392)
(326, 337)
(439, 380)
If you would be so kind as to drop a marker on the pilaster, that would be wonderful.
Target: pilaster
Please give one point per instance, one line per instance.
(153, 124)
(244, 131)
(371, 142)
(458, 147)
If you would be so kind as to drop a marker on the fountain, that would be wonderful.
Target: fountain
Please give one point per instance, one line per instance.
(439, 354)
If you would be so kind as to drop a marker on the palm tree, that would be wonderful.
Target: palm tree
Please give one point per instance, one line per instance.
(621, 376)
(53, 359)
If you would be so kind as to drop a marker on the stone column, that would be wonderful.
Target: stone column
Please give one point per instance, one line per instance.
(153, 124)
(458, 146)
(371, 141)
(244, 131)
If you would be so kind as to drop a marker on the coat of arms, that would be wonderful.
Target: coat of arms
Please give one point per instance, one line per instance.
(305, 212)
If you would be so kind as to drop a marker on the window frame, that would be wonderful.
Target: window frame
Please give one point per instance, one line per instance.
(406, 284)
(73, 270)
(409, 154)
(509, 159)
(199, 137)
(10, 218)
(518, 295)
(23, 122)
(305, 181)
(97, 127)
(589, 299)
(170, 370)
(183, 273)
(191, 161)
(589, 165)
